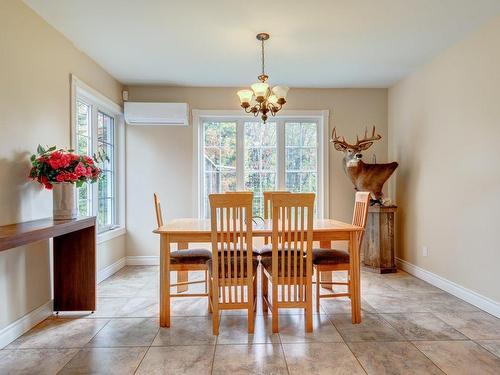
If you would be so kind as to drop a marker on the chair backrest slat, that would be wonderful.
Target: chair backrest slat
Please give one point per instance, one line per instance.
(360, 215)
(268, 209)
(292, 243)
(159, 216)
(231, 222)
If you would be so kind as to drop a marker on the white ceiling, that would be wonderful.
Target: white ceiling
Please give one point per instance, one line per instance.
(315, 43)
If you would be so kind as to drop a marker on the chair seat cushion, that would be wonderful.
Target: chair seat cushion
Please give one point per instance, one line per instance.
(267, 250)
(255, 264)
(190, 256)
(255, 251)
(267, 263)
(330, 256)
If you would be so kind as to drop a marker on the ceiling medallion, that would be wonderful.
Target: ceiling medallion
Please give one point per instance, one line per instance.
(262, 99)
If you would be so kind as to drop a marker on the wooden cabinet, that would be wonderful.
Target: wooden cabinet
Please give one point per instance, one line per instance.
(379, 243)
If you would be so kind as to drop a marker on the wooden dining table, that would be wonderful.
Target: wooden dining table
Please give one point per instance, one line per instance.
(185, 231)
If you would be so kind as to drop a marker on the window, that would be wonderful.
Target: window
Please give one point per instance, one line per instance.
(261, 161)
(242, 153)
(96, 131)
(219, 158)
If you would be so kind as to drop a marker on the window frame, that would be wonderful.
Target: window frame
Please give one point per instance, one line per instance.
(100, 103)
(321, 117)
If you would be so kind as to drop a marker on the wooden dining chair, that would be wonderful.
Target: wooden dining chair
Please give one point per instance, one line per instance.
(329, 259)
(232, 269)
(185, 260)
(289, 269)
(266, 250)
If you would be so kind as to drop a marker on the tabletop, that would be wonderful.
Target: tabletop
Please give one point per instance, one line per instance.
(260, 227)
(14, 235)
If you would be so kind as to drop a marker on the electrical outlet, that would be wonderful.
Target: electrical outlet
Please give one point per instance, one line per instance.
(425, 251)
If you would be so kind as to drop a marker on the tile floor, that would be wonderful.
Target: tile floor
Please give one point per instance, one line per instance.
(409, 327)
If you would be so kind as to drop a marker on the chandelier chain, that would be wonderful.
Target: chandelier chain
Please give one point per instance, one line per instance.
(262, 56)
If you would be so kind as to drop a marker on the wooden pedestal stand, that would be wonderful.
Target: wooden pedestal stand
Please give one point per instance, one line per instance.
(379, 246)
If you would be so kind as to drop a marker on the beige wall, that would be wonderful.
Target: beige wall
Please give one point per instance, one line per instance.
(444, 125)
(161, 158)
(35, 66)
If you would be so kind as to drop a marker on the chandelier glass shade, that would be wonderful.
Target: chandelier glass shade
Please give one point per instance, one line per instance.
(262, 99)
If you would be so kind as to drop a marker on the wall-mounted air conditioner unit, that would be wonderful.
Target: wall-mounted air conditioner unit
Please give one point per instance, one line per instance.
(157, 114)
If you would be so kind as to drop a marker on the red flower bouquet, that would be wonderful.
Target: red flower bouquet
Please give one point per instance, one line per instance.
(54, 165)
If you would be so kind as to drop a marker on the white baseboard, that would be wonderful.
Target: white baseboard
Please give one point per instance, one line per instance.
(476, 299)
(143, 260)
(24, 324)
(111, 269)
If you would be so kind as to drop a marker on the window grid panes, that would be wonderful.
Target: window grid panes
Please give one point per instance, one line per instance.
(219, 160)
(260, 161)
(106, 188)
(301, 154)
(95, 134)
(83, 143)
(249, 155)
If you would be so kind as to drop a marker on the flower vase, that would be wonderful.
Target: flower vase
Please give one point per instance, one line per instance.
(64, 201)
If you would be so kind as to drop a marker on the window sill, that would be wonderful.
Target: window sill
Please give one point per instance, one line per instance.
(110, 234)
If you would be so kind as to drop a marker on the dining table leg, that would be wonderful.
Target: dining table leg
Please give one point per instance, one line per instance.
(326, 276)
(164, 280)
(355, 278)
(182, 276)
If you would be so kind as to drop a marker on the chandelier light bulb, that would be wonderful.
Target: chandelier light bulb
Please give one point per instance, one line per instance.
(280, 91)
(245, 96)
(273, 99)
(260, 89)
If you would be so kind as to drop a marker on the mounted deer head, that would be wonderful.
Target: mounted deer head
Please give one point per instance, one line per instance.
(353, 151)
(364, 176)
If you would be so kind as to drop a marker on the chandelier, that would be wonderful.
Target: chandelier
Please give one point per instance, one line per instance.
(261, 98)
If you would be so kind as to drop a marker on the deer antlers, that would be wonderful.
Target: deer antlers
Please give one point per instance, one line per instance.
(359, 142)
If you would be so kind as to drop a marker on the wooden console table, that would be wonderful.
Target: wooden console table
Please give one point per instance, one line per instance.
(74, 257)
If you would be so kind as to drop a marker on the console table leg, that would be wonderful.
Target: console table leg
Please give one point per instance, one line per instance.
(75, 271)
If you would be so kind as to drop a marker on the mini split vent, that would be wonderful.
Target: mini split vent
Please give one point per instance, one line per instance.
(156, 114)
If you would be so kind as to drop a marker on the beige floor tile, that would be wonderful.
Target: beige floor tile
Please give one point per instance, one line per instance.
(233, 329)
(34, 361)
(140, 307)
(249, 359)
(372, 328)
(376, 285)
(475, 325)
(319, 359)
(396, 303)
(460, 357)
(118, 288)
(404, 282)
(187, 306)
(392, 358)
(342, 305)
(108, 307)
(151, 290)
(445, 302)
(136, 273)
(105, 361)
(60, 333)
(292, 329)
(493, 346)
(192, 330)
(423, 326)
(173, 360)
(127, 332)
